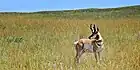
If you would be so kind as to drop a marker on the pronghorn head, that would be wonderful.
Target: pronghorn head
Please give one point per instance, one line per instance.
(95, 32)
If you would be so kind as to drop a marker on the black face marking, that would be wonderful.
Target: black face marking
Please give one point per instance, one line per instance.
(97, 37)
(93, 34)
(90, 36)
(95, 31)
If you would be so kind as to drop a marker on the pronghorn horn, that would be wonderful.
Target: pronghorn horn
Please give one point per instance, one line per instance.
(94, 25)
(94, 28)
(91, 28)
(97, 29)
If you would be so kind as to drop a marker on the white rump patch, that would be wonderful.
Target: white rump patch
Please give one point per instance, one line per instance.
(76, 42)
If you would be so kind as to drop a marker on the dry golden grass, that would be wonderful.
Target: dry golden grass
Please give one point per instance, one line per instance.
(36, 43)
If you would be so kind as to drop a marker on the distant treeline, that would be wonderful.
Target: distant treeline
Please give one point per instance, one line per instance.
(129, 11)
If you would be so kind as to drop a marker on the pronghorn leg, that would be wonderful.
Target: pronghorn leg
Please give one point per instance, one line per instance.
(96, 56)
(79, 52)
(99, 55)
(78, 55)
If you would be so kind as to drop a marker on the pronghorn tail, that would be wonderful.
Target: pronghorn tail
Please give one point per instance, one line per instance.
(75, 42)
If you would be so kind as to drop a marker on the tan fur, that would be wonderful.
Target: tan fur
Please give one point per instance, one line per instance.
(95, 41)
(79, 47)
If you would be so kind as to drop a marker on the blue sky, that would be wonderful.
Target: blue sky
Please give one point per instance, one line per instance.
(38, 5)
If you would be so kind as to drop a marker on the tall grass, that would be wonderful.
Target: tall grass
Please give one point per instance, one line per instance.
(46, 43)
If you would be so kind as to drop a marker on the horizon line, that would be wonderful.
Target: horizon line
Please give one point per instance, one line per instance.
(19, 11)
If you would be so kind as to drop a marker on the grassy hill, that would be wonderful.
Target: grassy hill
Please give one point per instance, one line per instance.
(130, 11)
(121, 12)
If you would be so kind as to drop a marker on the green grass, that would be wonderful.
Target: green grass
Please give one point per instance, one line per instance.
(28, 43)
(38, 42)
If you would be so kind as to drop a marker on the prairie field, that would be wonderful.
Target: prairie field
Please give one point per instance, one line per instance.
(34, 42)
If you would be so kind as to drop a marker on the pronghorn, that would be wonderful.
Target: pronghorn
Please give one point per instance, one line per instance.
(93, 44)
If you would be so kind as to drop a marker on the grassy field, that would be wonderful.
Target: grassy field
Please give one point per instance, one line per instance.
(37, 42)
